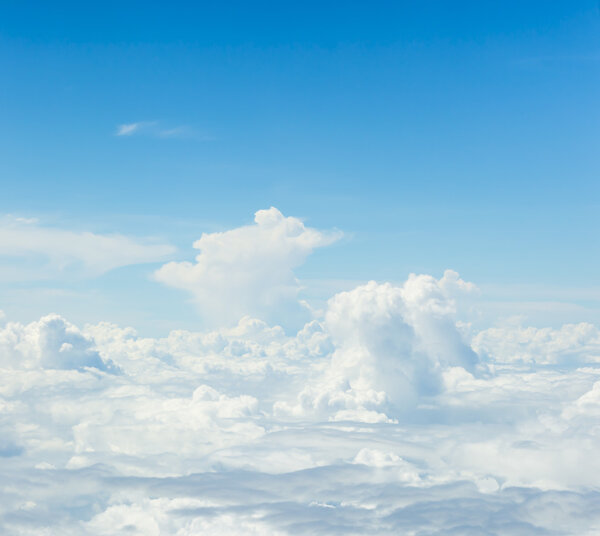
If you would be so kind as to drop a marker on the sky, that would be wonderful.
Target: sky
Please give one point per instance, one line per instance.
(434, 135)
(299, 268)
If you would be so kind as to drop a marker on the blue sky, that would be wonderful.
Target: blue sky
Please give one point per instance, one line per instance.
(434, 135)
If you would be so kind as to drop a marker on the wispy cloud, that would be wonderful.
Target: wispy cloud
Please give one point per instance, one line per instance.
(176, 132)
(155, 130)
(129, 129)
(33, 251)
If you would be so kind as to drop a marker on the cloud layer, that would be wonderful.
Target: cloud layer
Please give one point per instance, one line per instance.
(384, 416)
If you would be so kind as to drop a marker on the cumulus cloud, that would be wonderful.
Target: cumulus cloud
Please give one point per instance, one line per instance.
(33, 251)
(392, 346)
(384, 416)
(50, 343)
(248, 270)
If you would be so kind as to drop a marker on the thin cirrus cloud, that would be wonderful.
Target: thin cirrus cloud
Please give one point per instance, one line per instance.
(153, 129)
(33, 251)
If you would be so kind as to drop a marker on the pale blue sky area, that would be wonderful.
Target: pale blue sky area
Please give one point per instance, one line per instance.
(436, 135)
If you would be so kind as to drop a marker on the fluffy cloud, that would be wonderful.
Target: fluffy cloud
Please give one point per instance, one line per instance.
(32, 251)
(50, 343)
(248, 270)
(378, 418)
(392, 345)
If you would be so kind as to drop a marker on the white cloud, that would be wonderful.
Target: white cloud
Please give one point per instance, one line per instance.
(392, 346)
(376, 419)
(32, 251)
(50, 343)
(248, 270)
(571, 343)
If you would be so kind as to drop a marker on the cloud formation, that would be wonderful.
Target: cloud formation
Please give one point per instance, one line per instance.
(383, 416)
(33, 251)
(386, 413)
(248, 270)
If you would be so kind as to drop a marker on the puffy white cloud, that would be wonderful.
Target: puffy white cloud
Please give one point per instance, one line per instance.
(392, 346)
(248, 270)
(32, 251)
(51, 343)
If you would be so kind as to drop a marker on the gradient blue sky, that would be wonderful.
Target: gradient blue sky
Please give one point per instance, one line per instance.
(434, 134)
